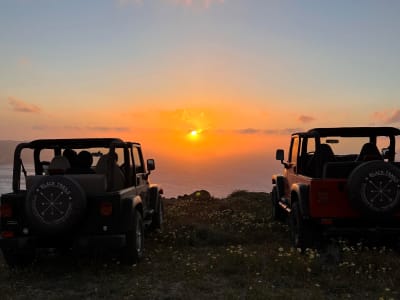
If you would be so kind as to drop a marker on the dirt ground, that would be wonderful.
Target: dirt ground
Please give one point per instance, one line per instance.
(215, 249)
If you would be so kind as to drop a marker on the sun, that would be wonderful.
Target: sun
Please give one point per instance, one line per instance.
(194, 134)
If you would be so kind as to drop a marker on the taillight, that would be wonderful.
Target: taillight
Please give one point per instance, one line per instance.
(7, 234)
(6, 210)
(105, 208)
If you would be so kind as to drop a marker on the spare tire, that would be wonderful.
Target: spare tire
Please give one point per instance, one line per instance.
(374, 188)
(55, 205)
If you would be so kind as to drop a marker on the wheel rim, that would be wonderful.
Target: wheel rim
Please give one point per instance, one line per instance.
(139, 236)
(380, 192)
(295, 228)
(161, 213)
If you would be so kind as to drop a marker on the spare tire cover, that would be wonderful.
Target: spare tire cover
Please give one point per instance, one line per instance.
(55, 205)
(374, 188)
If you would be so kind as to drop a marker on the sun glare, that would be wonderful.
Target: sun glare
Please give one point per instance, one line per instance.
(194, 134)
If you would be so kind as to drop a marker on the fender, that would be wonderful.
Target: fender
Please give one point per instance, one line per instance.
(127, 209)
(137, 203)
(279, 182)
(300, 191)
(154, 193)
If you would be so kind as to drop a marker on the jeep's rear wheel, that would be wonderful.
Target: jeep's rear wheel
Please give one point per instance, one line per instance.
(277, 212)
(19, 257)
(134, 248)
(301, 232)
(55, 205)
(374, 188)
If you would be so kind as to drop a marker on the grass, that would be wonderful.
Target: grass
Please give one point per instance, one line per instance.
(215, 249)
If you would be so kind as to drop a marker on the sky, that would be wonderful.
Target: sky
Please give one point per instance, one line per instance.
(207, 86)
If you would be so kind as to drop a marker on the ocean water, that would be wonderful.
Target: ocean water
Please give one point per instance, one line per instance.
(219, 184)
(6, 178)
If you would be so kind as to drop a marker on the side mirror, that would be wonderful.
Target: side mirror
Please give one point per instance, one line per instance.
(385, 153)
(280, 154)
(151, 165)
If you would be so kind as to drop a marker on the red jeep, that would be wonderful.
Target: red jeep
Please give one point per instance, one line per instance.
(337, 181)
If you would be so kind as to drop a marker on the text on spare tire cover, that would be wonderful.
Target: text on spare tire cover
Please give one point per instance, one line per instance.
(384, 173)
(52, 202)
(380, 190)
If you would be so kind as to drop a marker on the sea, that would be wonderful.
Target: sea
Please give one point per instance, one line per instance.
(6, 178)
(180, 184)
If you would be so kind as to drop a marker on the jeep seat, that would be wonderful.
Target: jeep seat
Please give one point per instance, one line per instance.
(323, 155)
(103, 167)
(368, 152)
(58, 165)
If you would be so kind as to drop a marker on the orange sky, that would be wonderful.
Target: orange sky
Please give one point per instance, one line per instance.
(245, 74)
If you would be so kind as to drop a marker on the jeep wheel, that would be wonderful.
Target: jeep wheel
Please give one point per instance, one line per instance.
(134, 248)
(19, 257)
(55, 205)
(158, 216)
(374, 188)
(277, 211)
(301, 232)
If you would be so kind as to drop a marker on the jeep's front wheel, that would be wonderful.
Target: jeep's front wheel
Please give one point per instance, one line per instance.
(158, 216)
(134, 248)
(301, 232)
(277, 212)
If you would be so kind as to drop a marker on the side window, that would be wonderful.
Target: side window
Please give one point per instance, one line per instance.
(294, 148)
(138, 161)
(311, 145)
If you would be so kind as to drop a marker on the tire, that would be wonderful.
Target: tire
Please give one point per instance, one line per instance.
(134, 248)
(301, 232)
(55, 205)
(278, 213)
(158, 216)
(374, 189)
(19, 257)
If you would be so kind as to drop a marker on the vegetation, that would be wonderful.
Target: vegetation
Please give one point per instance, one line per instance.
(215, 249)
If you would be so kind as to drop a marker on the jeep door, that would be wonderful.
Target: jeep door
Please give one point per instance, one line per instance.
(297, 162)
(140, 176)
(291, 167)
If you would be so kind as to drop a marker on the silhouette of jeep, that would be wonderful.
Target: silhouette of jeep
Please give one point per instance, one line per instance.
(336, 181)
(79, 194)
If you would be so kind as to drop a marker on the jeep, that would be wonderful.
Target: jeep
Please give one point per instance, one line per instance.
(79, 194)
(337, 181)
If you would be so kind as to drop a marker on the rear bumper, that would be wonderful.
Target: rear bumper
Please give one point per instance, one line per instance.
(113, 241)
(362, 231)
(360, 227)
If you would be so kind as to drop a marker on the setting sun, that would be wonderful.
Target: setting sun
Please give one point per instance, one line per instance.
(194, 134)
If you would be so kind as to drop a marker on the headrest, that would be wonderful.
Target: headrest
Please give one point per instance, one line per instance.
(58, 165)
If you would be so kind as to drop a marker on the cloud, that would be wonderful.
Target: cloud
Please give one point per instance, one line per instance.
(305, 119)
(40, 127)
(283, 131)
(249, 131)
(105, 128)
(387, 117)
(21, 106)
(127, 2)
(24, 61)
(202, 3)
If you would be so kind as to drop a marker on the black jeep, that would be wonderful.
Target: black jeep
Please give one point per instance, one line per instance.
(80, 193)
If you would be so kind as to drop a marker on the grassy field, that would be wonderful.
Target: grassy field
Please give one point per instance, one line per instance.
(215, 249)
